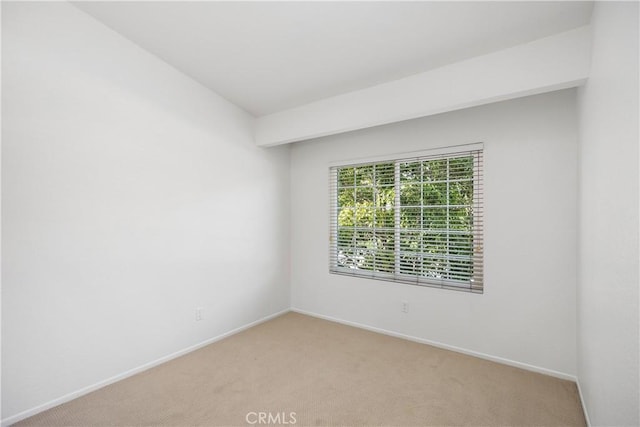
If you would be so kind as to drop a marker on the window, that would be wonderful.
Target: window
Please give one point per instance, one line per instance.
(414, 220)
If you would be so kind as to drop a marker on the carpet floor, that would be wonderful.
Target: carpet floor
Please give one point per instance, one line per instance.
(301, 370)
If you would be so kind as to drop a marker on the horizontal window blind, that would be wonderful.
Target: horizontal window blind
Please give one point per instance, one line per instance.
(415, 220)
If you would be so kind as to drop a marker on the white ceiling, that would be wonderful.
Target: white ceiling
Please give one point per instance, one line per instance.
(270, 56)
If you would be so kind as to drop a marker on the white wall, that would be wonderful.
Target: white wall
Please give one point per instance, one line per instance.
(527, 313)
(608, 205)
(131, 196)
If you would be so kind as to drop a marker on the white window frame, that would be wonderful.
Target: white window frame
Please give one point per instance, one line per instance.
(476, 283)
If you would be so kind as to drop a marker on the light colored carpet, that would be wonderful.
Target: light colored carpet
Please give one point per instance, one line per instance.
(327, 374)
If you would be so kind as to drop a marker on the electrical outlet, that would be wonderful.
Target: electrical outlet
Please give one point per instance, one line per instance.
(404, 306)
(198, 313)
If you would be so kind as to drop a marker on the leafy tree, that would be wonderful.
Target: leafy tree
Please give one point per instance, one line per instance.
(435, 217)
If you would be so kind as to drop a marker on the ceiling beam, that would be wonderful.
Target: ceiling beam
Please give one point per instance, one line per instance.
(552, 63)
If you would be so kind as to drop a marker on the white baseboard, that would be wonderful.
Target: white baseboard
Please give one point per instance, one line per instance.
(74, 395)
(584, 406)
(485, 356)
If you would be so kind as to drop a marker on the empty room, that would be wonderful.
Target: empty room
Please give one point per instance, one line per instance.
(358, 213)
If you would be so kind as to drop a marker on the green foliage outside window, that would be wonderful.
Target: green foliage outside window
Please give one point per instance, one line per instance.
(431, 219)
